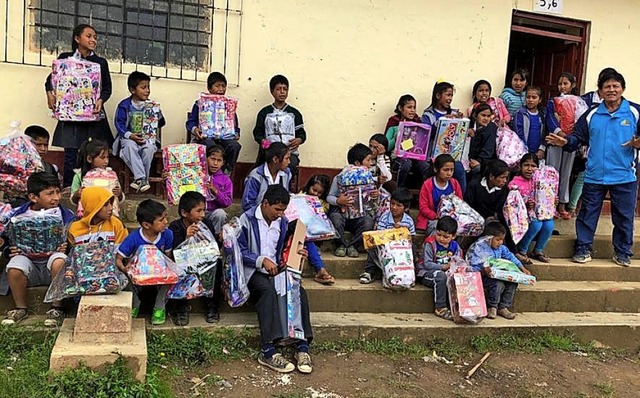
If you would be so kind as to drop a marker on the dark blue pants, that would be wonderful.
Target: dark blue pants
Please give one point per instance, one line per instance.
(500, 294)
(460, 175)
(404, 167)
(623, 205)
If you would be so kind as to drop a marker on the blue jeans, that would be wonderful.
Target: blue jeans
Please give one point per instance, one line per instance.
(500, 294)
(623, 204)
(540, 231)
(460, 175)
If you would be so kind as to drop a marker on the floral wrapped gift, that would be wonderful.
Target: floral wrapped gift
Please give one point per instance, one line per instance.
(358, 183)
(105, 178)
(187, 168)
(516, 215)
(505, 270)
(545, 180)
(509, 147)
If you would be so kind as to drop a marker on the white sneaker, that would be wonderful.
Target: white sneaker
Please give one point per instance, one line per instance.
(145, 186)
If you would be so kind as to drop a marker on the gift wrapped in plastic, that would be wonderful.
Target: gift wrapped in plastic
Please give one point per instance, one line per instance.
(287, 286)
(396, 260)
(480, 252)
(516, 214)
(38, 234)
(569, 108)
(509, 147)
(412, 141)
(470, 222)
(187, 288)
(76, 83)
(383, 203)
(149, 266)
(105, 178)
(280, 126)
(199, 253)
(309, 210)
(19, 159)
(545, 180)
(5, 215)
(358, 183)
(450, 137)
(466, 293)
(187, 168)
(217, 116)
(145, 121)
(505, 270)
(234, 284)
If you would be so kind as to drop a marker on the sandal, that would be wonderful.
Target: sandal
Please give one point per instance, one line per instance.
(540, 256)
(564, 215)
(444, 313)
(523, 258)
(324, 278)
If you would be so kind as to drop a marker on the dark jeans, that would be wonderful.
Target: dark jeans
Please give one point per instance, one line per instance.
(355, 225)
(293, 168)
(404, 167)
(500, 294)
(70, 163)
(623, 204)
(437, 280)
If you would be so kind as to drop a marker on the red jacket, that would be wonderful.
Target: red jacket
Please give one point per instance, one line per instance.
(427, 208)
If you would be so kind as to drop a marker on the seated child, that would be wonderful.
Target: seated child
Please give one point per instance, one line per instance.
(191, 210)
(152, 217)
(40, 137)
(381, 170)
(270, 168)
(318, 185)
(280, 122)
(434, 188)
(358, 155)
(44, 193)
(499, 294)
(216, 84)
(135, 149)
(221, 189)
(395, 217)
(485, 193)
(262, 259)
(439, 249)
(482, 147)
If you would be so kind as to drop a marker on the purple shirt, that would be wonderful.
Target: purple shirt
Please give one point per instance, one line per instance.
(225, 191)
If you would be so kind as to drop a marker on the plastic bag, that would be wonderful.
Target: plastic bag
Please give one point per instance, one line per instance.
(199, 253)
(509, 147)
(382, 204)
(106, 178)
(19, 159)
(150, 266)
(516, 215)
(5, 213)
(480, 252)
(287, 286)
(187, 167)
(76, 83)
(89, 269)
(309, 210)
(545, 180)
(470, 222)
(357, 182)
(38, 235)
(466, 293)
(505, 270)
(217, 116)
(569, 108)
(233, 283)
(187, 288)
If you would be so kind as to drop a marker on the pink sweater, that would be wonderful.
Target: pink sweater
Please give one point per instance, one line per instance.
(524, 186)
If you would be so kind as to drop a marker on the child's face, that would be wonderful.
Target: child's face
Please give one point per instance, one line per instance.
(215, 161)
(527, 168)
(141, 91)
(316, 190)
(196, 214)
(48, 198)
(565, 86)
(42, 145)
(498, 181)
(444, 238)
(483, 93)
(518, 83)
(445, 98)
(497, 241)
(105, 213)
(218, 88)
(88, 40)
(280, 92)
(408, 110)
(101, 161)
(159, 224)
(272, 212)
(532, 100)
(367, 161)
(376, 147)
(284, 163)
(484, 118)
(396, 208)
(446, 171)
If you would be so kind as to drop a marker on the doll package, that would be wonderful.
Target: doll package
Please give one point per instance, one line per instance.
(187, 168)
(466, 293)
(234, 284)
(509, 147)
(358, 183)
(217, 116)
(569, 108)
(505, 270)
(450, 137)
(308, 209)
(412, 141)
(106, 178)
(38, 234)
(470, 222)
(150, 267)
(545, 180)
(76, 83)
(516, 215)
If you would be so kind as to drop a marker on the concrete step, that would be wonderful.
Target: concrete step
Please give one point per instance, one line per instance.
(605, 226)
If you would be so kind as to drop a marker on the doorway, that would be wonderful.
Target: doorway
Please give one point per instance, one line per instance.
(547, 46)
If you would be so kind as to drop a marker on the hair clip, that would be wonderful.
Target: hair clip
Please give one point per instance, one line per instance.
(265, 144)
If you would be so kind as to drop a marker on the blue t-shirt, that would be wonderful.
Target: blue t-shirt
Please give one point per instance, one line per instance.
(535, 129)
(164, 242)
(444, 254)
(438, 192)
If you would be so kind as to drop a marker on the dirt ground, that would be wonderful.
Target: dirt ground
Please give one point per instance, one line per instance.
(357, 374)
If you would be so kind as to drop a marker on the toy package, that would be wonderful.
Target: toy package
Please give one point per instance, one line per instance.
(287, 285)
(509, 147)
(76, 83)
(545, 180)
(516, 215)
(309, 210)
(357, 182)
(372, 239)
(505, 270)
(38, 235)
(106, 178)
(19, 159)
(145, 121)
(280, 126)
(217, 116)
(150, 267)
(412, 141)
(569, 108)
(470, 222)
(381, 206)
(234, 284)
(187, 167)
(466, 293)
(450, 137)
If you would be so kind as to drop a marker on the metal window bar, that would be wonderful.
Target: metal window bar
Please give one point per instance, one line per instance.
(191, 50)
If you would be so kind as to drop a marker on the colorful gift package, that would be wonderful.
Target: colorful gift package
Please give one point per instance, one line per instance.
(357, 182)
(412, 141)
(470, 222)
(569, 108)
(234, 284)
(392, 250)
(466, 293)
(505, 270)
(197, 256)
(516, 215)
(509, 147)
(106, 178)
(145, 121)
(19, 159)
(287, 286)
(76, 83)
(38, 234)
(371, 239)
(187, 167)
(309, 210)
(187, 288)
(217, 116)
(150, 267)
(450, 137)
(545, 180)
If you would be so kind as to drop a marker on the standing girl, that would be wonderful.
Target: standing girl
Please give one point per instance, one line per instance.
(435, 188)
(513, 96)
(539, 230)
(556, 157)
(482, 147)
(271, 168)
(529, 122)
(70, 135)
(482, 95)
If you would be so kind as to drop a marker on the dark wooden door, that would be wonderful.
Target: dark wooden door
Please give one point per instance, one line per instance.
(550, 61)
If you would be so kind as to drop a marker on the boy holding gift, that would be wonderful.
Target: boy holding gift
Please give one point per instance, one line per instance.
(44, 194)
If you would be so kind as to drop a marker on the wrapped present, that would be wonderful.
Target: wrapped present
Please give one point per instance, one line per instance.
(13, 186)
(5, 215)
(480, 252)
(505, 270)
(287, 286)
(234, 284)
(372, 239)
(187, 288)
(466, 293)
(280, 126)
(38, 234)
(509, 147)
(309, 210)
(568, 109)
(412, 141)
(545, 193)
(516, 214)
(357, 182)
(150, 266)
(187, 168)
(396, 260)
(470, 222)
(217, 116)
(19, 159)
(382, 204)
(199, 253)
(450, 137)
(106, 178)
(76, 83)
(145, 121)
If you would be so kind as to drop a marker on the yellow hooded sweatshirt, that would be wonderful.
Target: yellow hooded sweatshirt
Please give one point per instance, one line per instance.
(112, 229)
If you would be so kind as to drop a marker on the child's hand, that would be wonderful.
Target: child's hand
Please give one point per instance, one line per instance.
(502, 123)
(375, 194)
(525, 271)
(555, 139)
(382, 179)
(473, 163)
(137, 138)
(212, 188)
(98, 107)
(117, 192)
(295, 143)
(378, 148)
(51, 100)
(530, 204)
(471, 133)
(62, 248)
(13, 251)
(269, 266)
(445, 267)
(344, 200)
(540, 154)
(165, 175)
(304, 253)
(198, 133)
(192, 230)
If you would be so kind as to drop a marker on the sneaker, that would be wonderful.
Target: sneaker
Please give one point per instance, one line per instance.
(505, 313)
(159, 316)
(144, 187)
(341, 251)
(54, 319)
(366, 278)
(492, 312)
(213, 315)
(444, 313)
(15, 316)
(180, 316)
(134, 312)
(352, 252)
(277, 362)
(137, 184)
(622, 259)
(303, 360)
(581, 258)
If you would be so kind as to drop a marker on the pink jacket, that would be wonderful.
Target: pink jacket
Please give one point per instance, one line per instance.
(427, 210)
(500, 111)
(524, 186)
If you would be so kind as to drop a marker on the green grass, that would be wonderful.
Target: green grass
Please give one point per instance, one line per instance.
(533, 343)
(605, 389)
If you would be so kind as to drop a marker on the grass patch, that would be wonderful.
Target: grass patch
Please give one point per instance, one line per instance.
(534, 343)
(605, 389)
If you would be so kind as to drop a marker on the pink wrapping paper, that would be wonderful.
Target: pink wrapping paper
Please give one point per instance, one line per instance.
(76, 83)
(19, 159)
(515, 213)
(545, 180)
(187, 167)
(217, 115)
(509, 147)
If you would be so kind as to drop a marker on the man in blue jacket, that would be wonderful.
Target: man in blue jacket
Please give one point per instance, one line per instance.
(610, 129)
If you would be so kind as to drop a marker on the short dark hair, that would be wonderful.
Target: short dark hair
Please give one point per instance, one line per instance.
(380, 139)
(35, 132)
(215, 148)
(496, 168)
(277, 194)
(615, 76)
(278, 79)
(135, 78)
(189, 200)
(402, 196)
(447, 224)
(357, 153)
(148, 210)
(481, 108)
(41, 181)
(494, 228)
(441, 160)
(215, 77)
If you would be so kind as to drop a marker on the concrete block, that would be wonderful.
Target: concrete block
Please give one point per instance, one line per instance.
(70, 354)
(104, 314)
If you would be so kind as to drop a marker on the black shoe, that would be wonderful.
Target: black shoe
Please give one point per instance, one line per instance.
(180, 316)
(213, 315)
